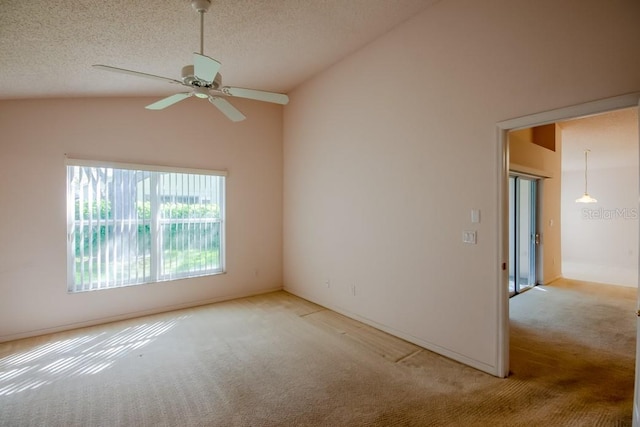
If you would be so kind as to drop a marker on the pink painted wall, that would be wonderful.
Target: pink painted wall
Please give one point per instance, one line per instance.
(600, 241)
(36, 134)
(387, 152)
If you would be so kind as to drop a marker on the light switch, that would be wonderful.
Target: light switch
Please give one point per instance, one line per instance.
(475, 216)
(469, 236)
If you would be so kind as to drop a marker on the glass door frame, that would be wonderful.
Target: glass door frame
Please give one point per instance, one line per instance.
(516, 231)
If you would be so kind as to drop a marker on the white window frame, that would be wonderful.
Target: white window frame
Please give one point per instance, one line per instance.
(155, 224)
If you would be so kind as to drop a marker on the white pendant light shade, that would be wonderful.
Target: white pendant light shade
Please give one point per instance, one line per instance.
(586, 198)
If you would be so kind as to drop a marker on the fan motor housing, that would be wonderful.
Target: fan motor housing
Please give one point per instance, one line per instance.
(189, 78)
(201, 5)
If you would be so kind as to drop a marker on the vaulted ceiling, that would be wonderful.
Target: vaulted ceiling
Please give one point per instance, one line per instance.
(612, 139)
(47, 47)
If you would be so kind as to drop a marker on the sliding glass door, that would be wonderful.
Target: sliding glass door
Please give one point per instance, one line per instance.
(522, 233)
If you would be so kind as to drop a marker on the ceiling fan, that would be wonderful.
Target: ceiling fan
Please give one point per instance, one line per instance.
(204, 81)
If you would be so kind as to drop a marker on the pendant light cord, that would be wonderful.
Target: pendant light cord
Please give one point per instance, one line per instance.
(585, 171)
(586, 198)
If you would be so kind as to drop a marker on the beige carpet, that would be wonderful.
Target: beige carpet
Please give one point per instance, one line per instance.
(277, 360)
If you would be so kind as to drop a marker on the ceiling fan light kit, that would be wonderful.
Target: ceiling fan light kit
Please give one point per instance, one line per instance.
(204, 80)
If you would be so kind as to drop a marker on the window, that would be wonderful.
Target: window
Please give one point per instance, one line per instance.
(133, 224)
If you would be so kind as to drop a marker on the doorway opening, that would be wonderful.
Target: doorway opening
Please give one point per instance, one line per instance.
(540, 119)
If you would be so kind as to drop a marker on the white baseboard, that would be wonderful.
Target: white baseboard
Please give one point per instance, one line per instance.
(131, 315)
(548, 282)
(600, 274)
(481, 366)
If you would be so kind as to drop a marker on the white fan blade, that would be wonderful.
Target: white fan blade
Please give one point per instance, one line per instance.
(166, 102)
(135, 73)
(227, 109)
(259, 95)
(205, 68)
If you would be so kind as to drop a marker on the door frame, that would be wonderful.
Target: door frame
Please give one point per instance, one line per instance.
(502, 129)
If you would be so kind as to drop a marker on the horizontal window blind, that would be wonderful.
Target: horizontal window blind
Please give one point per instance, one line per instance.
(132, 225)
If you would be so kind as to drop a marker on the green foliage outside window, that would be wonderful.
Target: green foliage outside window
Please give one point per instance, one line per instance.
(100, 210)
(95, 233)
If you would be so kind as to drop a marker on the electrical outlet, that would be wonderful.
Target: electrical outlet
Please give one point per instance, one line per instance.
(353, 290)
(327, 283)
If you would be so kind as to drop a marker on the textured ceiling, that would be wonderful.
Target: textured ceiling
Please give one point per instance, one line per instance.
(612, 138)
(47, 47)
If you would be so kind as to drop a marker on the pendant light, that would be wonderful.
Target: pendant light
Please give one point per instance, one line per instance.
(586, 198)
